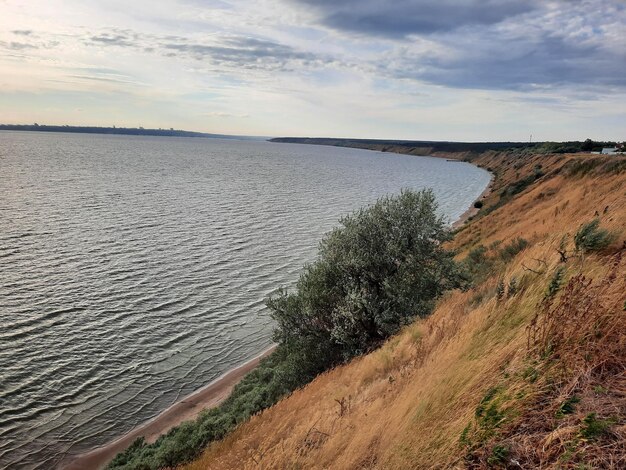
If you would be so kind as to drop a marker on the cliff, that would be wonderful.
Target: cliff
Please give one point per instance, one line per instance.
(527, 369)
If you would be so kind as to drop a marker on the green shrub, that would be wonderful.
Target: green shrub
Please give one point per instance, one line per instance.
(259, 389)
(520, 185)
(555, 282)
(590, 237)
(509, 251)
(512, 288)
(500, 290)
(593, 428)
(477, 264)
(478, 204)
(499, 455)
(382, 268)
(568, 406)
(489, 396)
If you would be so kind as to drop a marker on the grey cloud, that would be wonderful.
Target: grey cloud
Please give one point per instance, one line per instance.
(405, 17)
(22, 32)
(244, 52)
(111, 39)
(227, 51)
(489, 44)
(17, 46)
(517, 65)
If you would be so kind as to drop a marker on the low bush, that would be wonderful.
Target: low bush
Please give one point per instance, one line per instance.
(512, 288)
(382, 268)
(258, 390)
(555, 282)
(477, 264)
(593, 427)
(590, 237)
(509, 251)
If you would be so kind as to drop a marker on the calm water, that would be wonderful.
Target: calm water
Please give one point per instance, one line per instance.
(133, 269)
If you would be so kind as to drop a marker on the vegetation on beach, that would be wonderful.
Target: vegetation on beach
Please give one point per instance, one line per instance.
(381, 268)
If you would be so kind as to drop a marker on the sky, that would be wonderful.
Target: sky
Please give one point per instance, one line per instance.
(471, 70)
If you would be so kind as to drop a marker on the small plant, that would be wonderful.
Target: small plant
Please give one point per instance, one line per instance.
(555, 282)
(531, 374)
(491, 393)
(500, 290)
(593, 427)
(508, 252)
(477, 264)
(499, 455)
(464, 439)
(600, 390)
(590, 237)
(478, 204)
(562, 249)
(416, 335)
(568, 406)
(512, 288)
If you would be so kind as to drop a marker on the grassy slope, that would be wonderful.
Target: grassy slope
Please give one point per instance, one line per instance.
(465, 387)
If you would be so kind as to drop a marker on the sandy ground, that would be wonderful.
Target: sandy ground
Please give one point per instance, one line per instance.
(184, 410)
(473, 210)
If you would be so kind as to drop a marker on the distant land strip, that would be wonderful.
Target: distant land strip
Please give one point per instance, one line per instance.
(394, 145)
(458, 150)
(120, 131)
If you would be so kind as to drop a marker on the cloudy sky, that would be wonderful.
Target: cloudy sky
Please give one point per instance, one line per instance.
(410, 69)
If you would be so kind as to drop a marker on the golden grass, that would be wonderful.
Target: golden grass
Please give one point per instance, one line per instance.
(407, 404)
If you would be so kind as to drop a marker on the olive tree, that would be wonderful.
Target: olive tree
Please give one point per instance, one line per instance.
(382, 267)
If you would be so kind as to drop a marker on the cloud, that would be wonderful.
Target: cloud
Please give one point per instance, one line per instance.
(115, 39)
(16, 46)
(226, 115)
(515, 65)
(233, 51)
(352, 67)
(559, 45)
(406, 17)
(245, 52)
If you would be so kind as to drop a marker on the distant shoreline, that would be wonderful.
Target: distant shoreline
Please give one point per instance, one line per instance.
(122, 131)
(473, 210)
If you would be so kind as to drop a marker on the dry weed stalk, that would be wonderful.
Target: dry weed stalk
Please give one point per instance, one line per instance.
(586, 329)
(579, 340)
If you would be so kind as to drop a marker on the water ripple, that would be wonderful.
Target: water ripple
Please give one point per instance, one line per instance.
(133, 270)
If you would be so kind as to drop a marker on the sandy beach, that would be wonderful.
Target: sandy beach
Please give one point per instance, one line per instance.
(188, 408)
(473, 210)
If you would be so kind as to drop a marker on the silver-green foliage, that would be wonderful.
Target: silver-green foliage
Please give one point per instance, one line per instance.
(384, 266)
(590, 237)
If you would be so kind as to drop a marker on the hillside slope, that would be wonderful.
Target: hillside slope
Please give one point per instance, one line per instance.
(525, 370)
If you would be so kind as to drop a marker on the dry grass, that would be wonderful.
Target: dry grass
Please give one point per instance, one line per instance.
(480, 382)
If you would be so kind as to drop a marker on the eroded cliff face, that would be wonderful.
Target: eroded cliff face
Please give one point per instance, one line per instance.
(525, 370)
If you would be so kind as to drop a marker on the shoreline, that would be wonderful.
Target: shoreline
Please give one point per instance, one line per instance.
(471, 211)
(209, 396)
